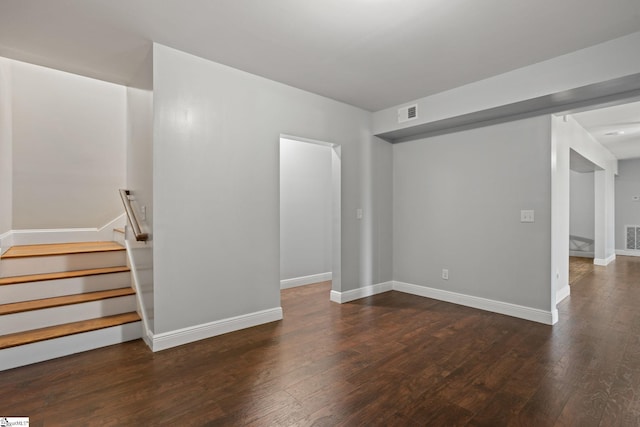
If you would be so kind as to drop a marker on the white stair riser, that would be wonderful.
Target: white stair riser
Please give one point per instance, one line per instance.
(59, 263)
(60, 287)
(64, 346)
(25, 321)
(118, 237)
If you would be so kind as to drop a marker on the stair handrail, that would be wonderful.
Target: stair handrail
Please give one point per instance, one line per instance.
(125, 195)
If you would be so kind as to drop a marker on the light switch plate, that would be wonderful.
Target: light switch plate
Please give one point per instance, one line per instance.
(527, 216)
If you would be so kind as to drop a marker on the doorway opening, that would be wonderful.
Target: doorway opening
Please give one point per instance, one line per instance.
(310, 224)
(582, 211)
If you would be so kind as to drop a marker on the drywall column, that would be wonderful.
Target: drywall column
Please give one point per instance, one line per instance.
(600, 217)
(376, 256)
(568, 135)
(560, 213)
(6, 156)
(604, 217)
(610, 202)
(140, 183)
(216, 184)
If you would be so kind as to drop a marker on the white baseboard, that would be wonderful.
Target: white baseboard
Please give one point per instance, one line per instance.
(606, 261)
(519, 311)
(65, 235)
(624, 252)
(178, 337)
(581, 254)
(346, 296)
(522, 312)
(305, 280)
(562, 293)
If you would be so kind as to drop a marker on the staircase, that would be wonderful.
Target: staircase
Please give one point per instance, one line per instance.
(60, 299)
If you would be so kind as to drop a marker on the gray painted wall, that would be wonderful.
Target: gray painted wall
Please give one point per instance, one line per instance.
(305, 209)
(582, 205)
(457, 201)
(68, 149)
(627, 186)
(216, 184)
(6, 156)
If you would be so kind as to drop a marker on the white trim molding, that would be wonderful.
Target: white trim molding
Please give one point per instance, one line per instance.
(562, 293)
(190, 334)
(621, 252)
(66, 235)
(365, 291)
(6, 241)
(606, 261)
(581, 254)
(520, 311)
(514, 310)
(305, 280)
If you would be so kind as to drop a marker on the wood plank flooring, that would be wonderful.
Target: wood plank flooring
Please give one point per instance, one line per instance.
(580, 267)
(14, 280)
(38, 304)
(61, 249)
(388, 360)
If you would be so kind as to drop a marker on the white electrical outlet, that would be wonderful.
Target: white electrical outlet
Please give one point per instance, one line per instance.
(527, 216)
(445, 274)
(358, 213)
(143, 211)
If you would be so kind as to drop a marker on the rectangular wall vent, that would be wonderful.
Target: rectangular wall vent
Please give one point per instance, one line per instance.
(633, 237)
(410, 112)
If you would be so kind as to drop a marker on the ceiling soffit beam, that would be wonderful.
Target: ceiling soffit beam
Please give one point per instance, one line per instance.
(607, 92)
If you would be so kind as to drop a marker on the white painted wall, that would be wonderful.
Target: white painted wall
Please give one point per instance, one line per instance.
(627, 210)
(6, 164)
(613, 59)
(68, 149)
(305, 209)
(568, 135)
(216, 184)
(582, 205)
(140, 181)
(457, 201)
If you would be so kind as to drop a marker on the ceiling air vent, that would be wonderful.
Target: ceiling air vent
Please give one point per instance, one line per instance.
(410, 112)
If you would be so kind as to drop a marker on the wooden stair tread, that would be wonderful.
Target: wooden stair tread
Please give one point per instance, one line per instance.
(119, 230)
(61, 275)
(61, 249)
(19, 307)
(28, 337)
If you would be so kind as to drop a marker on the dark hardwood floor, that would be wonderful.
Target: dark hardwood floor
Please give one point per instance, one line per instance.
(388, 360)
(580, 267)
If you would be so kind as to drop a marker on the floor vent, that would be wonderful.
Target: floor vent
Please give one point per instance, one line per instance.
(633, 237)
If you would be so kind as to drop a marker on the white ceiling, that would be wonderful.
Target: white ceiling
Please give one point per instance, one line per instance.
(623, 118)
(370, 53)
